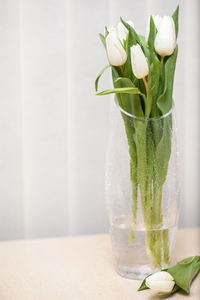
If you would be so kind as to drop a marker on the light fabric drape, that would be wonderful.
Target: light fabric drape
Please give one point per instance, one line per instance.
(53, 130)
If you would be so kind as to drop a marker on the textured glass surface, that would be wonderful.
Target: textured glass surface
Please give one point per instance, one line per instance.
(142, 191)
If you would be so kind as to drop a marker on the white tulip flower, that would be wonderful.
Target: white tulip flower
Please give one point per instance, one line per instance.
(123, 31)
(116, 54)
(157, 19)
(139, 62)
(112, 30)
(160, 282)
(165, 41)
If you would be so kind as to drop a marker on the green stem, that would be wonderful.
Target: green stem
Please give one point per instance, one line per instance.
(141, 146)
(156, 211)
(141, 165)
(130, 131)
(148, 98)
(166, 246)
(146, 85)
(133, 167)
(122, 71)
(157, 248)
(157, 224)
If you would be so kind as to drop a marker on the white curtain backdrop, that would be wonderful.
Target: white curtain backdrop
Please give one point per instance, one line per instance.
(53, 130)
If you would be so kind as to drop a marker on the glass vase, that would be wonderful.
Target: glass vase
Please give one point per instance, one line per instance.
(142, 191)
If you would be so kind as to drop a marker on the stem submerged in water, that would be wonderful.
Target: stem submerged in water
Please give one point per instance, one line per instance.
(166, 246)
(145, 168)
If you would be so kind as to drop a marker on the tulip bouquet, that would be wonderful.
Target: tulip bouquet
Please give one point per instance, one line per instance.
(143, 73)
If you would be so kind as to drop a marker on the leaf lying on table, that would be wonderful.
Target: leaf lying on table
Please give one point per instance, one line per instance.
(183, 273)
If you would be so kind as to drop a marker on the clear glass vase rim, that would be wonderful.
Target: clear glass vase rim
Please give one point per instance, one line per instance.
(145, 119)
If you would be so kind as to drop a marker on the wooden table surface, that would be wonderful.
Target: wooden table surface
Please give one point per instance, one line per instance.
(73, 268)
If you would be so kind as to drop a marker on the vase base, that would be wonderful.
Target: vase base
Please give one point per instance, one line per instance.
(134, 272)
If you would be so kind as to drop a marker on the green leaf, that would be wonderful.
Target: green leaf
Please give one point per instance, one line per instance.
(136, 38)
(142, 41)
(163, 152)
(128, 66)
(106, 31)
(124, 81)
(164, 101)
(152, 33)
(102, 38)
(115, 75)
(151, 39)
(126, 99)
(130, 41)
(155, 70)
(126, 90)
(130, 133)
(188, 260)
(131, 102)
(176, 288)
(175, 18)
(98, 77)
(185, 271)
(143, 286)
(133, 35)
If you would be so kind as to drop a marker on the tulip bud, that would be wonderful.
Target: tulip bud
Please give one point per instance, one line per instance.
(165, 41)
(157, 19)
(116, 54)
(139, 62)
(123, 31)
(160, 282)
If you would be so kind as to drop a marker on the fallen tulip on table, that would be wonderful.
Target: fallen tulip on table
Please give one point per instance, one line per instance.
(175, 279)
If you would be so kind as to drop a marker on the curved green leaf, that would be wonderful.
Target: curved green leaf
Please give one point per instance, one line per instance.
(131, 102)
(143, 44)
(155, 70)
(163, 152)
(136, 38)
(106, 31)
(152, 34)
(143, 285)
(102, 38)
(133, 35)
(164, 101)
(126, 90)
(98, 77)
(185, 271)
(175, 18)
(115, 75)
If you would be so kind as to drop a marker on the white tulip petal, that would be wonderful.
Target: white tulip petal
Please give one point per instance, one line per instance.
(139, 63)
(157, 19)
(112, 30)
(162, 275)
(116, 54)
(160, 286)
(160, 282)
(123, 31)
(165, 41)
